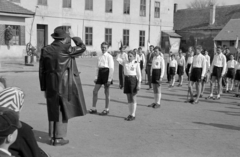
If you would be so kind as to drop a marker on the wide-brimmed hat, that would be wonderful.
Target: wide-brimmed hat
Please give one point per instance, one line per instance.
(59, 33)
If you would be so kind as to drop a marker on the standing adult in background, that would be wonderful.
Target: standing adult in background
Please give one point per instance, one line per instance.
(168, 69)
(181, 67)
(217, 71)
(59, 79)
(149, 59)
(123, 55)
(142, 60)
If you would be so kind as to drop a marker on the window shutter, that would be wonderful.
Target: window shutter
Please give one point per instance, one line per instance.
(22, 35)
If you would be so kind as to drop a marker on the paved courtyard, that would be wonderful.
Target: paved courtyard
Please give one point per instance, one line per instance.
(177, 129)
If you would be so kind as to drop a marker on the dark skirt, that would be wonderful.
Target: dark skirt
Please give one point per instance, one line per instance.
(130, 85)
(141, 65)
(196, 75)
(156, 73)
(237, 76)
(230, 73)
(102, 76)
(180, 70)
(188, 68)
(217, 72)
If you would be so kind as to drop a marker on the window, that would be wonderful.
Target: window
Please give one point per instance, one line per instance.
(157, 10)
(142, 38)
(126, 7)
(108, 6)
(16, 34)
(143, 8)
(17, 1)
(42, 2)
(126, 37)
(108, 35)
(88, 35)
(219, 43)
(67, 3)
(88, 4)
(232, 43)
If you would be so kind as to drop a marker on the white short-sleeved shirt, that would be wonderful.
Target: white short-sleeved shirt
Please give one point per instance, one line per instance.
(159, 63)
(231, 63)
(181, 61)
(173, 63)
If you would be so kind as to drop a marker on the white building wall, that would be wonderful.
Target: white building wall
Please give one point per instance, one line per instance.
(77, 17)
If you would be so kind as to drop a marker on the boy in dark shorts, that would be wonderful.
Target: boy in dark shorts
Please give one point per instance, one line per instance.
(172, 70)
(104, 76)
(218, 69)
(231, 64)
(197, 73)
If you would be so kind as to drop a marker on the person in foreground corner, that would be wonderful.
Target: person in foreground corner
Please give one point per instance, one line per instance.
(157, 73)
(132, 83)
(197, 72)
(218, 69)
(104, 76)
(60, 80)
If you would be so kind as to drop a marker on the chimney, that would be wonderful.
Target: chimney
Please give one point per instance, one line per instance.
(212, 14)
(175, 7)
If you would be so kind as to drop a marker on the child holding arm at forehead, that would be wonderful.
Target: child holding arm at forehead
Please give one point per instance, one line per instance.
(132, 83)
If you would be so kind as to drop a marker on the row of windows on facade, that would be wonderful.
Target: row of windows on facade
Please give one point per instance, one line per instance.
(109, 6)
(88, 35)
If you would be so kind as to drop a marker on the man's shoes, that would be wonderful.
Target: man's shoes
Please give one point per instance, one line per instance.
(130, 118)
(209, 97)
(157, 106)
(60, 142)
(151, 105)
(179, 85)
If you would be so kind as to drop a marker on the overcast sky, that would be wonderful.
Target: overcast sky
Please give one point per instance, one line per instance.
(182, 3)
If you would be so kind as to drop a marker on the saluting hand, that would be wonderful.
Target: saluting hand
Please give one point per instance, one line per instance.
(70, 32)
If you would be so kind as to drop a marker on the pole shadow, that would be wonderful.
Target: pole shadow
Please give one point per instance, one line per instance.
(222, 126)
(227, 112)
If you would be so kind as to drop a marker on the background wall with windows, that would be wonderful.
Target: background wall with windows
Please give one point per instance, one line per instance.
(106, 18)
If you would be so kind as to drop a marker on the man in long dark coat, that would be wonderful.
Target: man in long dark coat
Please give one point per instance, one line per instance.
(59, 78)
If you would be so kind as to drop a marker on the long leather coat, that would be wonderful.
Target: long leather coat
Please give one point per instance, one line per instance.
(59, 78)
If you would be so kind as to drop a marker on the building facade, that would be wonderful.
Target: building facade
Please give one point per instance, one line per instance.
(134, 22)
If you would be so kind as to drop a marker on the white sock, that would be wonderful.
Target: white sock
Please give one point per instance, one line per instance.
(159, 98)
(107, 109)
(227, 87)
(211, 94)
(134, 108)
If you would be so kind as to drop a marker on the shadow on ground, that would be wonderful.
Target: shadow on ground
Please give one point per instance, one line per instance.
(223, 126)
(41, 136)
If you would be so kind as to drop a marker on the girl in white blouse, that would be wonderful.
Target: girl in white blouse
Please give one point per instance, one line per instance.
(231, 64)
(132, 82)
(157, 73)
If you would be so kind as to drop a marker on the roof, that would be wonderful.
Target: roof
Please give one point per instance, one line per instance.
(12, 8)
(230, 32)
(186, 19)
(172, 34)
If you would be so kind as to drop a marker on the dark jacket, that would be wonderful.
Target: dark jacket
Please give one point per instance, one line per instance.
(150, 56)
(59, 78)
(25, 144)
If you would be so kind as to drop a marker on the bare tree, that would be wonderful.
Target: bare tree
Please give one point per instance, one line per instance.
(198, 4)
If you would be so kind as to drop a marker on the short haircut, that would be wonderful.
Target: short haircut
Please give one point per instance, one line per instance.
(199, 47)
(140, 48)
(219, 47)
(151, 46)
(132, 52)
(157, 48)
(105, 43)
(2, 139)
(172, 55)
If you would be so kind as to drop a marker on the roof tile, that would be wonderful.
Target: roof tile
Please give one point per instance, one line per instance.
(9, 7)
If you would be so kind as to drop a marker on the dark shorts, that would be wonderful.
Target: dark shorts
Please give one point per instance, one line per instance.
(196, 75)
(230, 73)
(141, 65)
(102, 75)
(188, 68)
(180, 70)
(156, 73)
(172, 71)
(237, 76)
(130, 85)
(217, 72)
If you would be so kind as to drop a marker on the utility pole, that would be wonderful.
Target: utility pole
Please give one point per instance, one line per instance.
(149, 24)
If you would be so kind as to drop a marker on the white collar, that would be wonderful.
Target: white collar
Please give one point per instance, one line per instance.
(6, 151)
